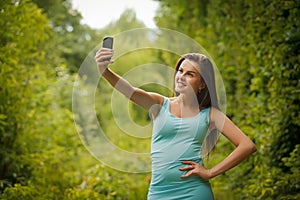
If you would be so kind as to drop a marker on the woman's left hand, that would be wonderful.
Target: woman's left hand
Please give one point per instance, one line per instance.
(195, 168)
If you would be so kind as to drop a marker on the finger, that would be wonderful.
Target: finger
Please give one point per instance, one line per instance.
(189, 173)
(103, 54)
(104, 51)
(103, 58)
(190, 167)
(188, 162)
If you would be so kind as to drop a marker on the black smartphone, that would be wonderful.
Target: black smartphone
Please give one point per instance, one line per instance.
(108, 42)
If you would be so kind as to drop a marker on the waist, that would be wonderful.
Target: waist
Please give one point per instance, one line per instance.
(170, 173)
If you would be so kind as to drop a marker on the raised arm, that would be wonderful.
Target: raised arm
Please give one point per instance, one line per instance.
(146, 100)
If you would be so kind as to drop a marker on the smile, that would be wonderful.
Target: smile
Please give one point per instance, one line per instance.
(181, 84)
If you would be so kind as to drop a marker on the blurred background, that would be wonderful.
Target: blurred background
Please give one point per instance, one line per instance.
(255, 44)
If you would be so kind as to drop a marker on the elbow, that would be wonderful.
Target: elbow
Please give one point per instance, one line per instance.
(251, 148)
(248, 147)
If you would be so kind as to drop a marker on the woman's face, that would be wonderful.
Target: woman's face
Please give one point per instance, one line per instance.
(188, 78)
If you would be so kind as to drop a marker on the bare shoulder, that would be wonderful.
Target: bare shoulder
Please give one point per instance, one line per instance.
(217, 118)
(155, 108)
(158, 98)
(215, 113)
(172, 99)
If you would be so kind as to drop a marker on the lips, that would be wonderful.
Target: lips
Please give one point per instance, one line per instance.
(181, 84)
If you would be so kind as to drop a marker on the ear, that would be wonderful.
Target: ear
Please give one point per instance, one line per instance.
(201, 86)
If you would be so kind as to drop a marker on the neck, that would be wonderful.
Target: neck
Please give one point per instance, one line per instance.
(188, 101)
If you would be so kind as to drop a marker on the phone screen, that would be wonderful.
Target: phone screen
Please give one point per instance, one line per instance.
(108, 42)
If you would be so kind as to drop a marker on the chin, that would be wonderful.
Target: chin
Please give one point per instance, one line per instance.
(179, 90)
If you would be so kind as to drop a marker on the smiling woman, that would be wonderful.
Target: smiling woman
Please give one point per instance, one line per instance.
(98, 14)
(183, 126)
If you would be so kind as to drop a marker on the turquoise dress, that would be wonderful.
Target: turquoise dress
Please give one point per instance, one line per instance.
(174, 140)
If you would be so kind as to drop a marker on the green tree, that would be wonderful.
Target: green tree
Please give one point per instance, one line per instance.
(255, 44)
(73, 40)
(23, 51)
(38, 143)
(41, 155)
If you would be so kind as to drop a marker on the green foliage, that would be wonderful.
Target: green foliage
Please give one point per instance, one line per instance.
(41, 155)
(21, 56)
(101, 182)
(126, 21)
(255, 44)
(72, 40)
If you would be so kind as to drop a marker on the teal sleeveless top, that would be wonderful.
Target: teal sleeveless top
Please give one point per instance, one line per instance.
(174, 140)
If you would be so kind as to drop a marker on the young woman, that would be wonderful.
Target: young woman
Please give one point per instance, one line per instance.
(181, 126)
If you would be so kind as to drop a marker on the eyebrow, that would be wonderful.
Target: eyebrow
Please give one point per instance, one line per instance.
(188, 71)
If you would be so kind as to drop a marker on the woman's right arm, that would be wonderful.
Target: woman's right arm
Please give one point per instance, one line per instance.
(146, 100)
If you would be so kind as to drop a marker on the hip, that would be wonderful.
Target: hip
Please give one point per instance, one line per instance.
(188, 191)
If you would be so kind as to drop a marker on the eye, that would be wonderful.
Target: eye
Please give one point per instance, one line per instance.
(191, 74)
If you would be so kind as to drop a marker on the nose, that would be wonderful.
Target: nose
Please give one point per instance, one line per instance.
(181, 76)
